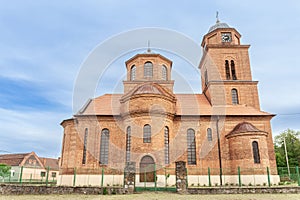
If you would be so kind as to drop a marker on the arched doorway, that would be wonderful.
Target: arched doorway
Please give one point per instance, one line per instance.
(147, 169)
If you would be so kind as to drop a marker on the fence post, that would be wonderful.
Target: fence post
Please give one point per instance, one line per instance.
(47, 176)
(166, 178)
(21, 174)
(155, 184)
(298, 176)
(145, 179)
(113, 174)
(124, 177)
(102, 177)
(209, 181)
(187, 178)
(74, 178)
(268, 172)
(239, 174)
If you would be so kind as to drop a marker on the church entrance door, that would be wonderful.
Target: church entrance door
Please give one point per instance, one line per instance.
(147, 168)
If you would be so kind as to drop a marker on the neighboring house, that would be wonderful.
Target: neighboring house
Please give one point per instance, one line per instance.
(30, 167)
(152, 127)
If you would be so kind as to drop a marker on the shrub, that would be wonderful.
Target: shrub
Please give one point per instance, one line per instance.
(104, 191)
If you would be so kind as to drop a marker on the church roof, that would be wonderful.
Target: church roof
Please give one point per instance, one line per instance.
(217, 26)
(148, 88)
(186, 104)
(244, 127)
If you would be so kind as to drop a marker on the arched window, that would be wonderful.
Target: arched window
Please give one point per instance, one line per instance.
(167, 160)
(233, 70)
(147, 133)
(128, 143)
(234, 96)
(227, 70)
(84, 146)
(104, 144)
(255, 149)
(164, 73)
(132, 72)
(148, 70)
(191, 146)
(209, 134)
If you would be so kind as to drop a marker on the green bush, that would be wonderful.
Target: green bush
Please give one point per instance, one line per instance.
(105, 192)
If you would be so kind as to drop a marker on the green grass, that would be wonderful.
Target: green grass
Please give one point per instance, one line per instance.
(155, 196)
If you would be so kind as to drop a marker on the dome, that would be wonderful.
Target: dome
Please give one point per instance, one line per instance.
(217, 26)
(244, 127)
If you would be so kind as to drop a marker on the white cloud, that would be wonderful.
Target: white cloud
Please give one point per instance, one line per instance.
(45, 43)
(31, 131)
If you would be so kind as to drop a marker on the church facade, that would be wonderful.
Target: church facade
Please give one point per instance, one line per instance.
(149, 125)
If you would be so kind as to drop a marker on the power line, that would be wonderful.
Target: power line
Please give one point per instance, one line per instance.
(4, 151)
(288, 114)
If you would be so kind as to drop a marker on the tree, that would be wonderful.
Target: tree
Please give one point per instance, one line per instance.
(292, 140)
(4, 170)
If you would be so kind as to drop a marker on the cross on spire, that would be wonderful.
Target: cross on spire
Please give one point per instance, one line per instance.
(148, 50)
(217, 16)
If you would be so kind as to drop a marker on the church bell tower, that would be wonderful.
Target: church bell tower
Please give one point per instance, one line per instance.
(225, 68)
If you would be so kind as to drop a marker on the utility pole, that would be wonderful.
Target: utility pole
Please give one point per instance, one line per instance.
(219, 150)
(287, 158)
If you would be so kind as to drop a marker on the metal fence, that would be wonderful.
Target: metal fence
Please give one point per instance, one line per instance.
(202, 177)
(30, 175)
(156, 177)
(163, 178)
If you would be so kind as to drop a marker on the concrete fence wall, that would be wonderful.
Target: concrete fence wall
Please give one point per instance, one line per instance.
(26, 190)
(245, 190)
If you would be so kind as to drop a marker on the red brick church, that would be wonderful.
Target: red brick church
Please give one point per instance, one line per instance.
(223, 126)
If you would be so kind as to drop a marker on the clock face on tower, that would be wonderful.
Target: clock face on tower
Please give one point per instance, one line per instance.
(226, 37)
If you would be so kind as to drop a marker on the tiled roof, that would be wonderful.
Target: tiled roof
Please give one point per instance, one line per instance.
(13, 159)
(21, 158)
(186, 104)
(50, 162)
(107, 104)
(217, 26)
(244, 127)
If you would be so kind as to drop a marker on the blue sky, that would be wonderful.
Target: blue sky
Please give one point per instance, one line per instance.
(44, 43)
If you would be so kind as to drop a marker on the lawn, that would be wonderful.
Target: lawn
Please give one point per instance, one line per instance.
(155, 196)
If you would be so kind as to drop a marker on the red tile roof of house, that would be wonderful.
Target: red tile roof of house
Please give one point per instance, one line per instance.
(21, 158)
(52, 163)
(12, 159)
